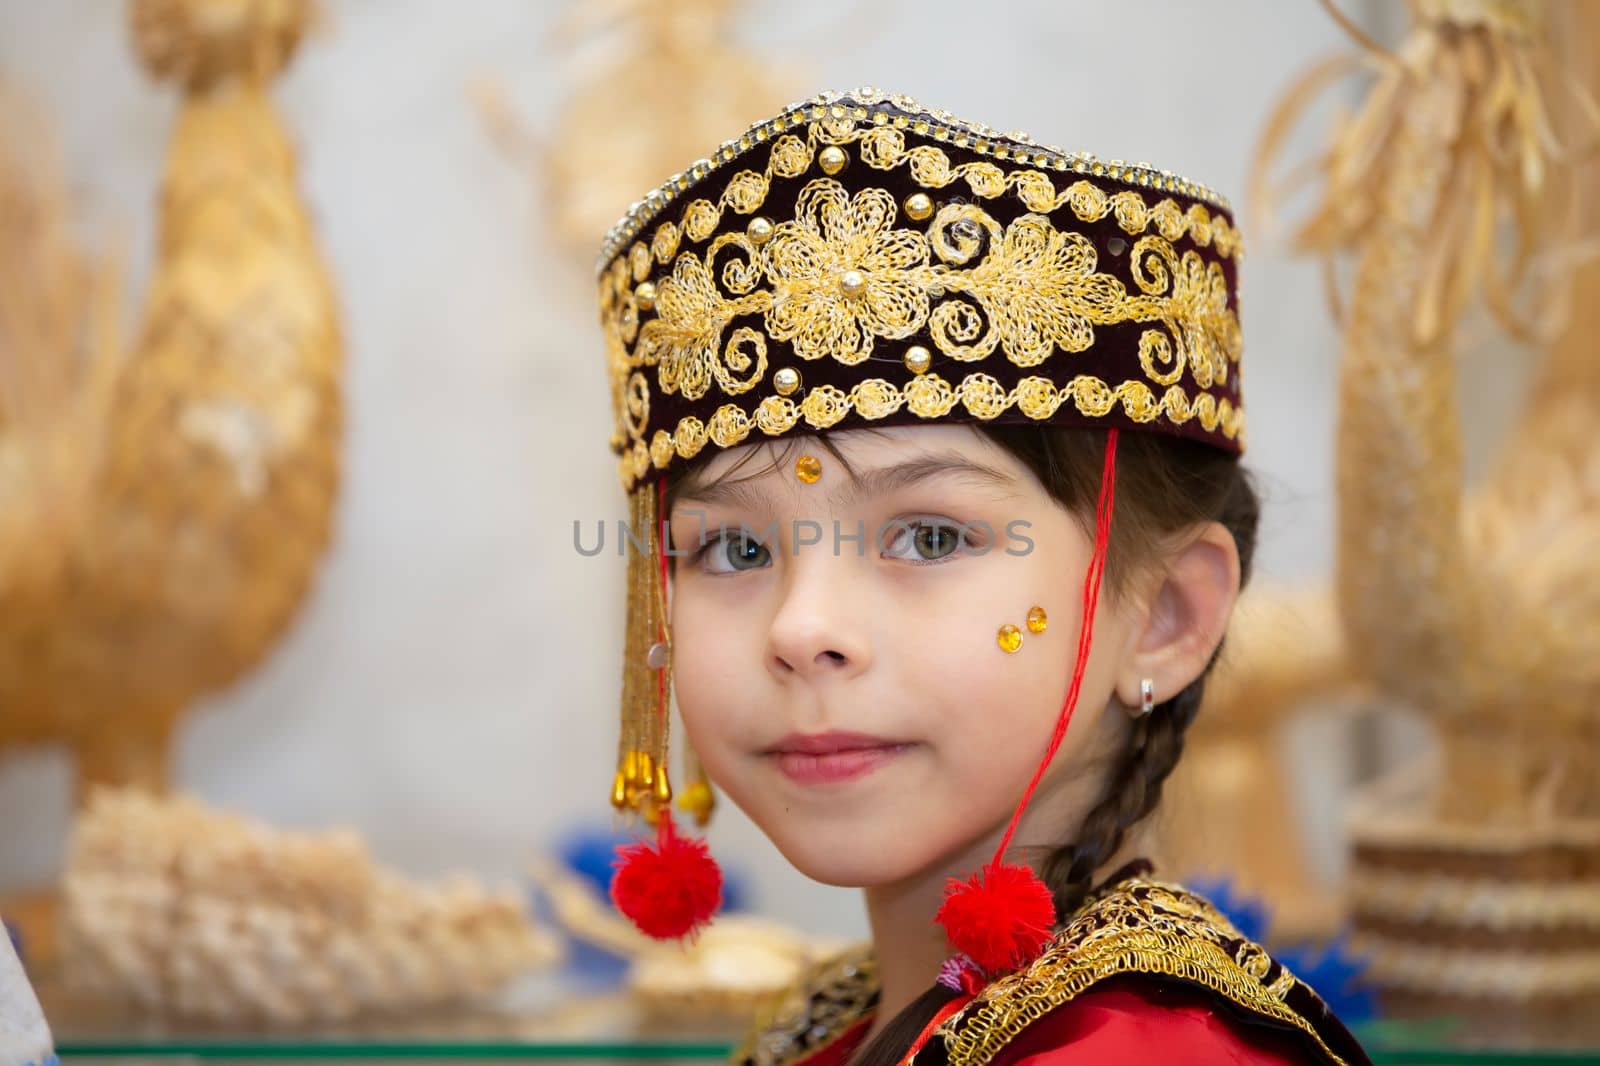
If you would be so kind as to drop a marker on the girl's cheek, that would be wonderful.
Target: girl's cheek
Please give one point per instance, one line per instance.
(702, 685)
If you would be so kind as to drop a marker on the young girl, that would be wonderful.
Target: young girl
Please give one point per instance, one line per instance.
(931, 436)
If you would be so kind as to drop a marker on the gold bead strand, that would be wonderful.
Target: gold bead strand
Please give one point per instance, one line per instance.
(697, 799)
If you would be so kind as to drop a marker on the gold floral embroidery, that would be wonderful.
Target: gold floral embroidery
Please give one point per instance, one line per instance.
(1038, 289)
(1194, 310)
(843, 276)
(684, 339)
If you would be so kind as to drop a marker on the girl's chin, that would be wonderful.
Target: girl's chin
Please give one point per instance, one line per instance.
(849, 862)
(854, 875)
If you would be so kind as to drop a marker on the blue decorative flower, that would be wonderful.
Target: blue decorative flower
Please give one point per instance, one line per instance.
(1333, 969)
(590, 852)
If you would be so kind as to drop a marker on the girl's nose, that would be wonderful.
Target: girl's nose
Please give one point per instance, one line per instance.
(819, 630)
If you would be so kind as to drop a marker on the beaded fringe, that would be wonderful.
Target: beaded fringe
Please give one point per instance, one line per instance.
(642, 783)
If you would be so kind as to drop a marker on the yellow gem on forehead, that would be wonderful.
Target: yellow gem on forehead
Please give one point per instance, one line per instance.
(808, 469)
(852, 283)
(832, 159)
(645, 295)
(1009, 638)
(1037, 620)
(918, 359)
(786, 381)
(759, 230)
(919, 205)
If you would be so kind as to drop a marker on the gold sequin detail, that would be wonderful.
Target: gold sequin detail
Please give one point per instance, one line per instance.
(1037, 620)
(1009, 638)
(919, 207)
(786, 381)
(918, 359)
(808, 469)
(832, 159)
(930, 122)
(645, 296)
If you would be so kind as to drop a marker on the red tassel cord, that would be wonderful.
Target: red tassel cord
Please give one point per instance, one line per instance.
(670, 889)
(673, 888)
(1002, 917)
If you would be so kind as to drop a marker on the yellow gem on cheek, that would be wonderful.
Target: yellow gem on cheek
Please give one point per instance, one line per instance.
(808, 469)
(1037, 620)
(1009, 638)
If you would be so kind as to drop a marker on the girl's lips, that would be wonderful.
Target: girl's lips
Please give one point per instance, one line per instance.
(836, 766)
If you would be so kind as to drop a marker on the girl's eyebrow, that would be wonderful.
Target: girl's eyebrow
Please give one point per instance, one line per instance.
(883, 480)
(734, 493)
(864, 485)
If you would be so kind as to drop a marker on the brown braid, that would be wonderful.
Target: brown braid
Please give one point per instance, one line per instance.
(1138, 778)
(1153, 749)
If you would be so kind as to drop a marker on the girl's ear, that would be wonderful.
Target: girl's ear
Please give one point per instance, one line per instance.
(1186, 616)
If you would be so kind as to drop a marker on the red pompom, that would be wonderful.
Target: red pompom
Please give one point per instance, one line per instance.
(1001, 918)
(669, 889)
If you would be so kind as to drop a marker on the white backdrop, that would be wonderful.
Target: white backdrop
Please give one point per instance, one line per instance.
(450, 689)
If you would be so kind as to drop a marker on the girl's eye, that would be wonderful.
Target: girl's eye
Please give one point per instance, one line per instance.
(925, 540)
(729, 553)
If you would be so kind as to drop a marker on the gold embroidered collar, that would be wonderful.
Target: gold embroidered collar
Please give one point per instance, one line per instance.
(809, 1017)
(1135, 926)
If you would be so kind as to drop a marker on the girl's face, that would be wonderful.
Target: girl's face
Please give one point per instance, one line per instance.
(836, 662)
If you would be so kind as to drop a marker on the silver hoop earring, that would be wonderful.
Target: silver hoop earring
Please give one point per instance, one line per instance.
(1147, 699)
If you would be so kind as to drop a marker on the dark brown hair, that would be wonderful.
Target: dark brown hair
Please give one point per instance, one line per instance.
(1165, 486)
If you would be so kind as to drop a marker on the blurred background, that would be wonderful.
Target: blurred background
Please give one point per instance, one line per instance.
(448, 688)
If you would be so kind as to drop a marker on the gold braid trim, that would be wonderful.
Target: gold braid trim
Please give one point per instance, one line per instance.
(930, 396)
(1138, 927)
